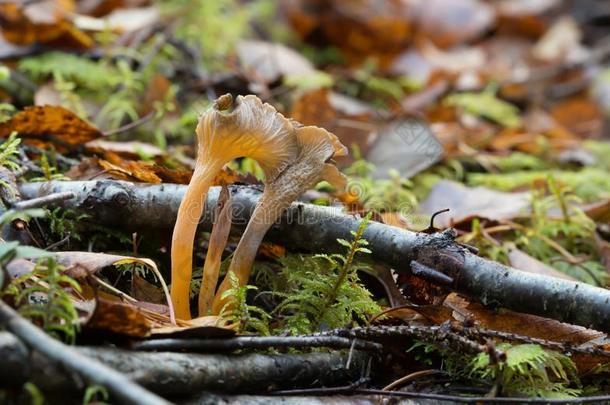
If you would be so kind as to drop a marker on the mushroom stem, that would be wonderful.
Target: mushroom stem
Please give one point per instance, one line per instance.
(267, 211)
(189, 214)
(218, 241)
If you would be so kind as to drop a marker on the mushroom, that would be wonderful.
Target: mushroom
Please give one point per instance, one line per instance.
(252, 129)
(316, 147)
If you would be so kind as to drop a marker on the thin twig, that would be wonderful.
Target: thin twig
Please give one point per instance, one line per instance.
(410, 377)
(479, 400)
(118, 384)
(131, 125)
(43, 201)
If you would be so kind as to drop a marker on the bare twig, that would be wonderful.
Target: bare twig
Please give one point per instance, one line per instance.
(134, 124)
(49, 199)
(118, 384)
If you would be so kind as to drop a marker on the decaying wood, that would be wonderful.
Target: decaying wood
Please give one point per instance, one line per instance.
(315, 228)
(179, 374)
(64, 356)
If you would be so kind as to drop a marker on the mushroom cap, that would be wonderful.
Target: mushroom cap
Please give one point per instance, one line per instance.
(247, 128)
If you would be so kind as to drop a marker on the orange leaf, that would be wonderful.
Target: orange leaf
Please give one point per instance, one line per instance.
(42, 124)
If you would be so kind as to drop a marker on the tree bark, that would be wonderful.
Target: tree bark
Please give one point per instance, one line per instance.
(315, 228)
(183, 374)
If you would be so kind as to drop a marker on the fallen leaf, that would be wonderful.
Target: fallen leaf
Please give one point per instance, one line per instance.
(347, 118)
(42, 124)
(449, 23)
(580, 115)
(522, 261)
(407, 145)
(561, 43)
(45, 21)
(81, 264)
(202, 327)
(131, 169)
(111, 314)
(361, 29)
(268, 61)
(528, 325)
(466, 203)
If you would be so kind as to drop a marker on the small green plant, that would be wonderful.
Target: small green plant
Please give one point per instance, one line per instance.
(590, 183)
(6, 112)
(62, 223)
(487, 105)
(247, 318)
(96, 394)
(9, 150)
(551, 237)
(36, 396)
(324, 291)
(384, 195)
(43, 297)
(530, 370)
(49, 171)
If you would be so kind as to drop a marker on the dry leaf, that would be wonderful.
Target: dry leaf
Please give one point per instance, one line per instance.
(363, 28)
(40, 125)
(522, 261)
(112, 314)
(43, 21)
(267, 62)
(81, 264)
(449, 23)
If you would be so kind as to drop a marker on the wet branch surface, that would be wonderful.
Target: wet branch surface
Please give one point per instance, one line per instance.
(63, 357)
(179, 374)
(314, 228)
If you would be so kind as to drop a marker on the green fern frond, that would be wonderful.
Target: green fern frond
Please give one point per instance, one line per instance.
(530, 370)
(43, 296)
(9, 150)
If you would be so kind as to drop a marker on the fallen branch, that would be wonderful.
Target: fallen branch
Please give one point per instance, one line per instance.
(254, 342)
(316, 228)
(181, 374)
(93, 371)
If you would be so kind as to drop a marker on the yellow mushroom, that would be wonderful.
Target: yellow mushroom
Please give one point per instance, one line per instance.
(249, 129)
(316, 147)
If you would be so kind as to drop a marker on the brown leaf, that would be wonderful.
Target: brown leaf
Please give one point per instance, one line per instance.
(45, 21)
(363, 28)
(157, 91)
(202, 327)
(113, 315)
(42, 124)
(81, 264)
(347, 118)
(131, 169)
(528, 325)
(580, 115)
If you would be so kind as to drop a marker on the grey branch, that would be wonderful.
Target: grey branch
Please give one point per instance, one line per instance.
(315, 228)
(254, 342)
(180, 374)
(76, 361)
